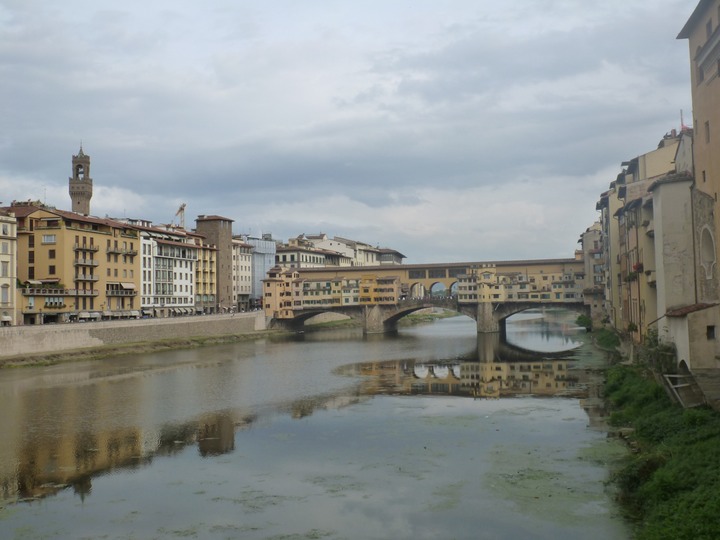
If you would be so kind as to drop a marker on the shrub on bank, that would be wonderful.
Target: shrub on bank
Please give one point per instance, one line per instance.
(671, 484)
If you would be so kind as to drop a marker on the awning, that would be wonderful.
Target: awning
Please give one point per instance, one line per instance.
(147, 311)
(134, 313)
(6, 318)
(95, 315)
(107, 313)
(83, 315)
(126, 285)
(33, 282)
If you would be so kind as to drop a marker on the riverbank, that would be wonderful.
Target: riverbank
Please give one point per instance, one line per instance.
(99, 353)
(670, 483)
(46, 344)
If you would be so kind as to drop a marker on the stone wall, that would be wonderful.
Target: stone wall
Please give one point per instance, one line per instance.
(53, 338)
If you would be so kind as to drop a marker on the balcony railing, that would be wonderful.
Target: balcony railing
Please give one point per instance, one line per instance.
(120, 292)
(86, 277)
(39, 291)
(121, 251)
(86, 262)
(85, 247)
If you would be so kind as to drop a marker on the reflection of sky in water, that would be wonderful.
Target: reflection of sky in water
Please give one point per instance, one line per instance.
(547, 331)
(267, 439)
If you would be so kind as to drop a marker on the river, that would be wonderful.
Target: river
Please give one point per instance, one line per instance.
(435, 432)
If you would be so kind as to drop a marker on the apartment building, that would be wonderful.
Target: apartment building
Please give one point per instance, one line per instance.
(241, 273)
(593, 255)
(74, 267)
(169, 264)
(205, 275)
(8, 268)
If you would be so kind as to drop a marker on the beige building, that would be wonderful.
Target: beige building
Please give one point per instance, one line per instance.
(242, 274)
(205, 275)
(8, 268)
(74, 267)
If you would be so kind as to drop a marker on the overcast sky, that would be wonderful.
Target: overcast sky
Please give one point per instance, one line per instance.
(456, 130)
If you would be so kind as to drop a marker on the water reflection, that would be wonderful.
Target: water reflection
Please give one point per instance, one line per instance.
(485, 374)
(82, 424)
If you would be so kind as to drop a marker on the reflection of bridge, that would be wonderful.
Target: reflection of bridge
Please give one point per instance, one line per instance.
(489, 316)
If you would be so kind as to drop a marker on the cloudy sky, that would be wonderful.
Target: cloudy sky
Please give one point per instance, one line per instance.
(456, 130)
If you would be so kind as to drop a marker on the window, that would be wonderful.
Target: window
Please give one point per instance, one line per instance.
(710, 332)
(31, 257)
(31, 241)
(5, 294)
(51, 254)
(51, 269)
(31, 272)
(5, 269)
(5, 229)
(5, 248)
(48, 238)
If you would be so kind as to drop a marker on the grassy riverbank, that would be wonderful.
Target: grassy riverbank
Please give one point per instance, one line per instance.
(670, 484)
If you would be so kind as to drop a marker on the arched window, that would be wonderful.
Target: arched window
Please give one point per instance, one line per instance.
(707, 252)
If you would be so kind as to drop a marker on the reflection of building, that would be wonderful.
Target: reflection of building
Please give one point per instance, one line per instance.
(498, 379)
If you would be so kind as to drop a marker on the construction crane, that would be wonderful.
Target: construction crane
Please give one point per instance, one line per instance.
(181, 214)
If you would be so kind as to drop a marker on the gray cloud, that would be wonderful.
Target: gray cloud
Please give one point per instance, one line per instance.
(463, 131)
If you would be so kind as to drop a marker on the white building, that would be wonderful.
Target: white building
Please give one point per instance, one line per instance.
(168, 265)
(241, 273)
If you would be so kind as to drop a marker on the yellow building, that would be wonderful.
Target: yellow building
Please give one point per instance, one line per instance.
(702, 30)
(279, 289)
(205, 275)
(8, 268)
(74, 267)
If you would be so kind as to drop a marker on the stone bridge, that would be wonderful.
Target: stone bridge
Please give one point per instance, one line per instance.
(489, 316)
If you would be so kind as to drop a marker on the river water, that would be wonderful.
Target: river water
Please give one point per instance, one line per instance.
(435, 432)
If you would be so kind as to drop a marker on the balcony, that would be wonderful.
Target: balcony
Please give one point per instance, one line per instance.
(85, 247)
(50, 291)
(120, 292)
(121, 251)
(86, 277)
(86, 262)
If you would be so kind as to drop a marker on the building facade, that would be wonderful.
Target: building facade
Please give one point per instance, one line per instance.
(8, 268)
(217, 231)
(74, 267)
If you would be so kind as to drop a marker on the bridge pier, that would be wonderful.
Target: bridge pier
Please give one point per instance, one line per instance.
(485, 318)
(375, 320)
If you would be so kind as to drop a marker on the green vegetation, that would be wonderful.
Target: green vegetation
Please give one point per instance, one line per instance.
(584, 320)
(606, 338)
(670, 484)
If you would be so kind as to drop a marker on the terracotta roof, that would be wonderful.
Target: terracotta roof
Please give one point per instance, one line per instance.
(681, 312)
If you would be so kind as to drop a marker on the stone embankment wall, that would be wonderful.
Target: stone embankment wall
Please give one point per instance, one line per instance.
(53, 338)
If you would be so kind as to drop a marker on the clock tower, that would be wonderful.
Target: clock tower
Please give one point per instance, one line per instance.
(80, 183)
